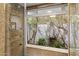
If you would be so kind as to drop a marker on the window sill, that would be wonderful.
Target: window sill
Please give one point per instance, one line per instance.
(48, 48)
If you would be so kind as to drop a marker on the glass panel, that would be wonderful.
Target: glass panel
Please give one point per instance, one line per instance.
(74, 32)
(49, 27)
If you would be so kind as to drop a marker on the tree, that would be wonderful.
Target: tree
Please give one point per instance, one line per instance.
(55, 34)
(33, 23)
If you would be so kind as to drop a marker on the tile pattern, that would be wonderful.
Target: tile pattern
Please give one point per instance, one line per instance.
(2, 29)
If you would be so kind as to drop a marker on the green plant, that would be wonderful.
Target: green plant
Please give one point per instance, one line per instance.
(41, 41)
(57, 44)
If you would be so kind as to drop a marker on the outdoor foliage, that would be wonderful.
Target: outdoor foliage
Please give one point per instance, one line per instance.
(57, 44)
(53, 34)
(41, 41)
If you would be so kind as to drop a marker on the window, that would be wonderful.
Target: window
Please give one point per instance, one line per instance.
(48, 26)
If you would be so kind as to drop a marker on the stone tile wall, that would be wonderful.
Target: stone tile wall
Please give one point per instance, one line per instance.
(2, 29)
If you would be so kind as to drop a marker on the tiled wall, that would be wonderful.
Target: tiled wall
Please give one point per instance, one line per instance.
(6, 12)
(15, 37)
(2, 29)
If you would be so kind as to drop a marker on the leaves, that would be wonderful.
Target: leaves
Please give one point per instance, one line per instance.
(41, 41)
(32, 21)
(57, 44)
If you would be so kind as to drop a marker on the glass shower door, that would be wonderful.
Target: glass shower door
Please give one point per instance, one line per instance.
(74, 29)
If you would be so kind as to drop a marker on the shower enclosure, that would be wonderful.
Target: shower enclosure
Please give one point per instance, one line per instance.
(47, 26)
